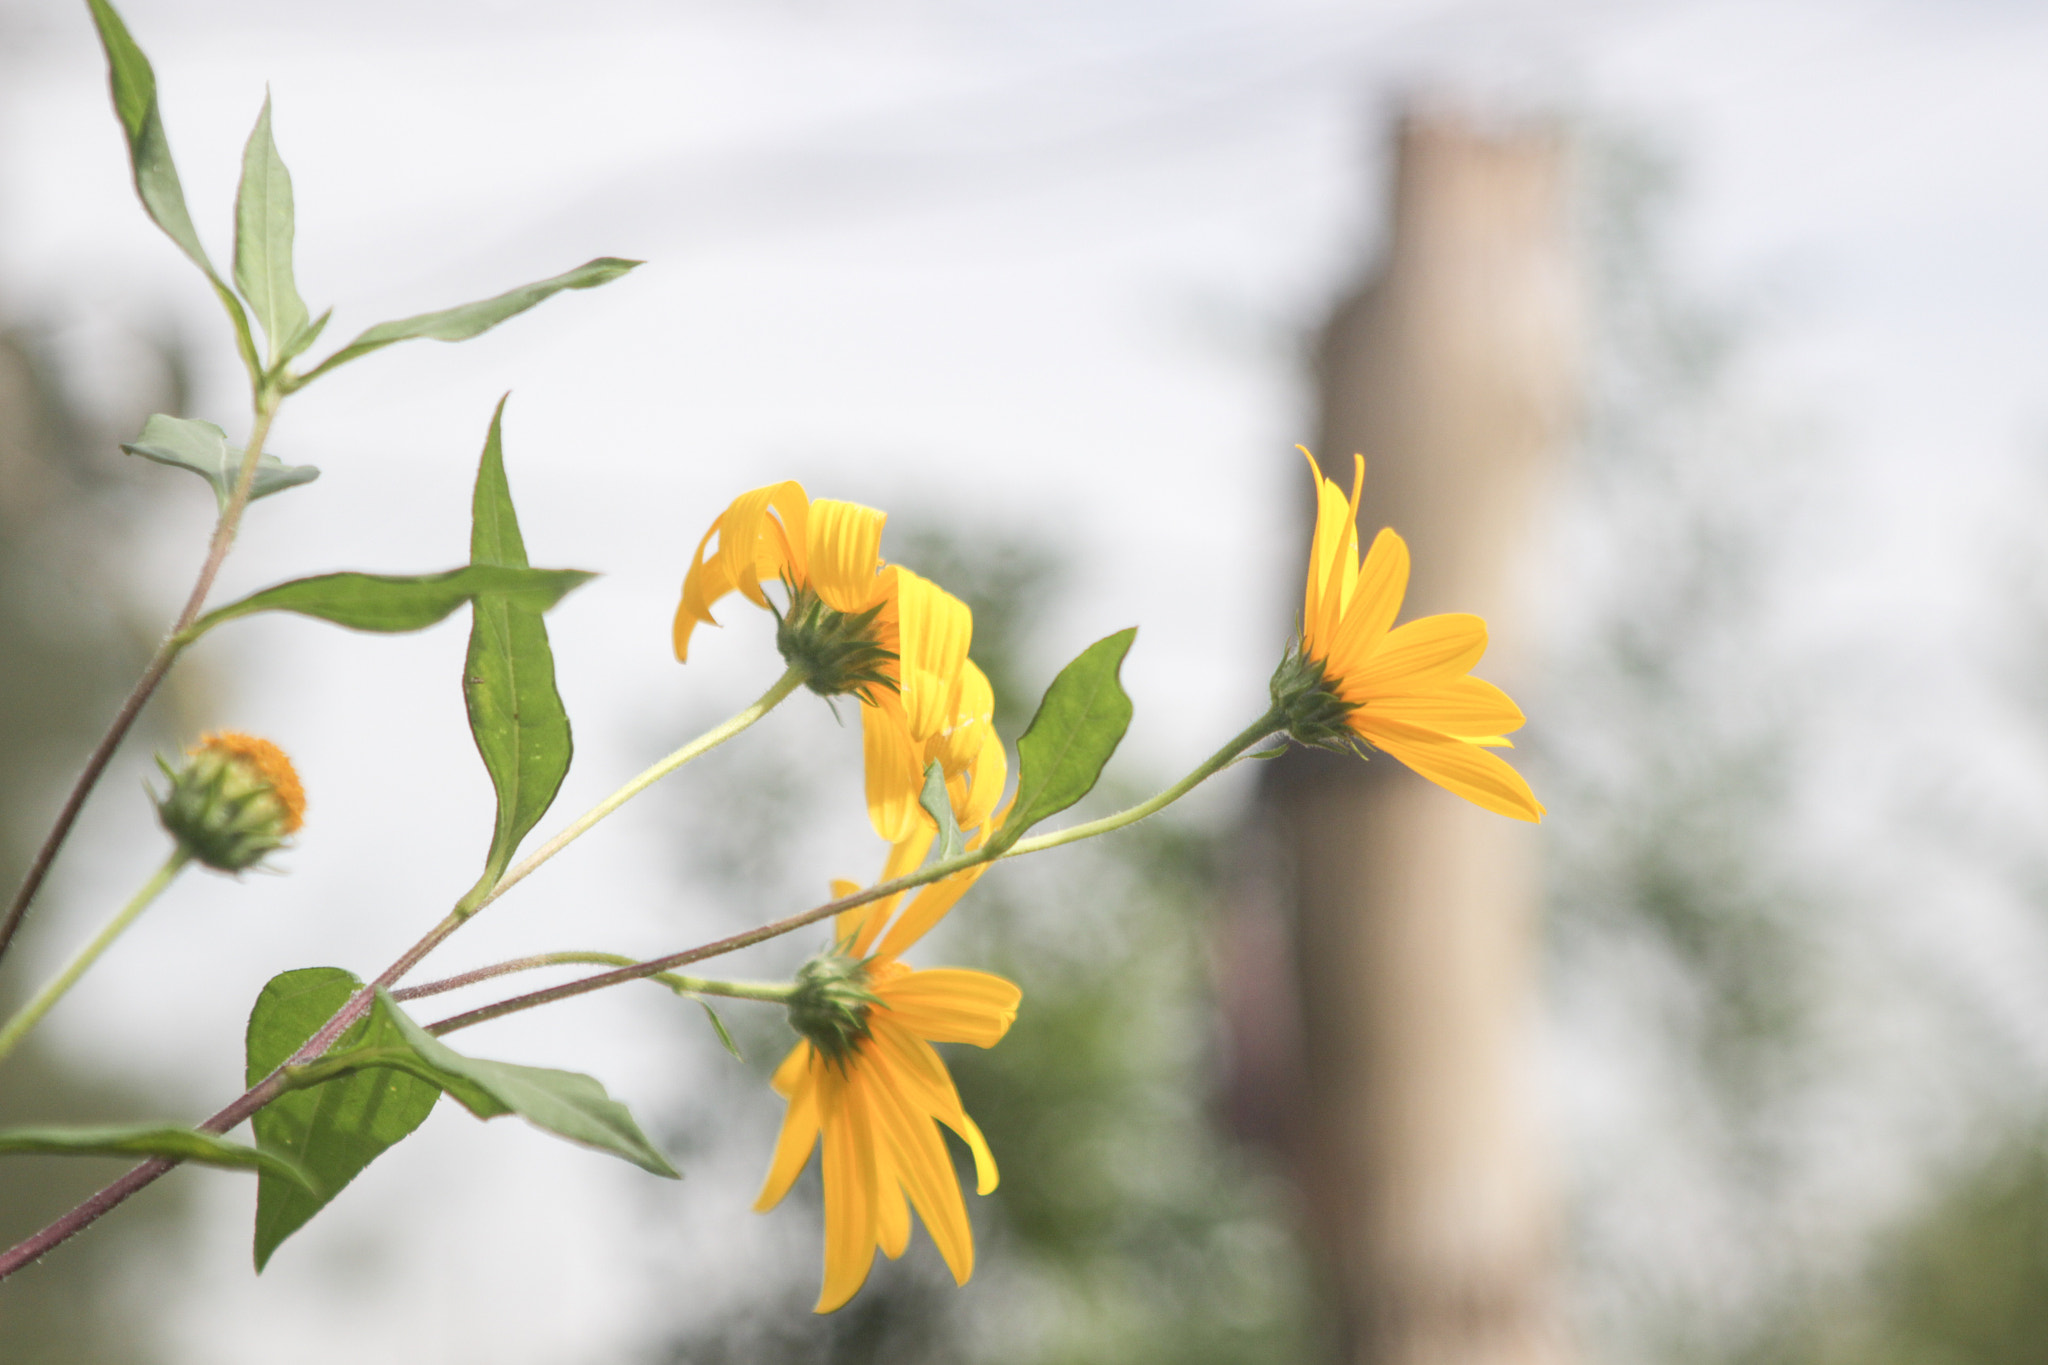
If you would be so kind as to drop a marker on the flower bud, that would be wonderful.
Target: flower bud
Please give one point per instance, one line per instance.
(235, 800)
(831, 1004)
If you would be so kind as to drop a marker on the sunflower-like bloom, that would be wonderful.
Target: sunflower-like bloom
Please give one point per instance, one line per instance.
(858, 625)
(1407, 690)
(867, 1080)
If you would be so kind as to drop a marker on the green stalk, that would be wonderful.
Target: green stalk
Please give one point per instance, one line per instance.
(32, 1013)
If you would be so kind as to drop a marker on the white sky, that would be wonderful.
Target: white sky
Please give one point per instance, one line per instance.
(1046, 264)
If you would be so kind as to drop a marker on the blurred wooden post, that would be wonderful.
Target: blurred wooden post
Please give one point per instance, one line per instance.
(1424, 1173)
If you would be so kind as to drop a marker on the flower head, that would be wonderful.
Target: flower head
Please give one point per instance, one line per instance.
(236, 799)
(1408, 690)
(866, 1080)
(839, 625)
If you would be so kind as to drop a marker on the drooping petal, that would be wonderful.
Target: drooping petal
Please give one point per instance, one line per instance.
(1466, 707)
(927, 908)
(894, 770)
(741, 528)
(985, 1173)
(892, 1215)
(799, 1135)
(954, 1005)
(1459, 766)
(845, 553)
(704, 584)
(903, 858)
(1423, 649)
(934, 630)
(921, 1162)
(849, 1191)
(927, 1085)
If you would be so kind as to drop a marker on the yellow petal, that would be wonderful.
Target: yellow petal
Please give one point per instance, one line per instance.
(953, 1005)
(702, 585)
(934, 629)
(845, 553)
(1382, 583)
(798, 1136)
(1468, 708)
(849, 1193)
(1420, 650)
(927, 909)
(895, 772)
(926, 1171)
(904, 857)
(741, 528)
(985, 1173)
(892, 1215)
(1458, 766)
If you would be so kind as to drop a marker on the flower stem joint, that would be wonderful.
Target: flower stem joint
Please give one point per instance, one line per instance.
(831, 1004)
(235, 799)
(1307, 709)
(838, 651)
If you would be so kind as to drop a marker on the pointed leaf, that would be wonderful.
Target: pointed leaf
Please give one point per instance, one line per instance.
(1078, 726)
(133, 82)
(515, 713)
(163, 1140)
(203, 448)
(950, 843)
(390, 603)
(304, 337)
(565, 1103)
(334, 1129)
(263, 239)
(473, 319)
(718, 1027)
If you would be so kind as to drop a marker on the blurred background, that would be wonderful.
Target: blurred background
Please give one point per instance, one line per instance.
(1699, 346)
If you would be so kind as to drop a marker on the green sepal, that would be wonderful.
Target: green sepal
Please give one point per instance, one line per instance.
(938, 803)
(470, 319)
(1079, 724)
(515, 712)
(335, 1129)
(1309, 712)
(133, 83)
(836, 650)
(395, 603)
(263, 240)
(159, 1140)
(566, 1103)
(202, 447)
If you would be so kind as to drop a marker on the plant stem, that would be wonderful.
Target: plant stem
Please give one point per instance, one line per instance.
(30, 1014)
(1208, 768)
(152, 674)
(791, 679)
(776, 992)
(277, 1082)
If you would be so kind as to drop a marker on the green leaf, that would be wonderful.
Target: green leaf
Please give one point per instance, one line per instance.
(133, 82)
(304, 337)
(565, 1103)
(263, 239)
(203, 448)
(938, 804)
(515, 713)
(718, 1027)
(334, 1129)
(390, 603)
(473, 319)
(1078, 726)
(149, 1139)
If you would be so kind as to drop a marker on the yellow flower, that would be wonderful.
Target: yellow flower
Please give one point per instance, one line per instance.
(874, 1089)
(236, 799)
(895, 639)
(1407, 690)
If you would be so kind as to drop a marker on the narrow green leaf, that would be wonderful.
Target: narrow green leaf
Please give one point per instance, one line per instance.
(1078, 726)
(718, 1027)
(390, 603)
(203, 448)
(473, 319)
(304, 337)
(515, 714)
(335, 1129)
(133, 82)
(565, 1103)
(263, 239)
(151, 1139)
(939, 805)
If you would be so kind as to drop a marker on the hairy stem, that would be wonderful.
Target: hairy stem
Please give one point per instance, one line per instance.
(152, 674)
(1208, 768)
(30, 1014)
(683, 985)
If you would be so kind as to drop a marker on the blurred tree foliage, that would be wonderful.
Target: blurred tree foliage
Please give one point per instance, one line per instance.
(67, 653)
(1127, 1228)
